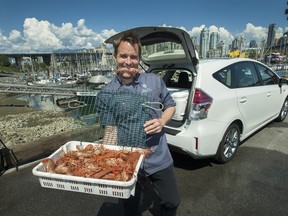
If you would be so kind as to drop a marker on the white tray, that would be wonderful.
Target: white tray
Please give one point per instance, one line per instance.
(102, 187)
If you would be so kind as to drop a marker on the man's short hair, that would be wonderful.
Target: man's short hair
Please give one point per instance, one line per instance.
(130, 37)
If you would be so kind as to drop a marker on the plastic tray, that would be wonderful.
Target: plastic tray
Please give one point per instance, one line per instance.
(102, 187)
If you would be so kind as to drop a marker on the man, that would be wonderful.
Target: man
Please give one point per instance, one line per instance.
(133, 93)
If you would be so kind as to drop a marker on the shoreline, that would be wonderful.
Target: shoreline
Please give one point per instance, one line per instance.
(11, 105)
(31, 133)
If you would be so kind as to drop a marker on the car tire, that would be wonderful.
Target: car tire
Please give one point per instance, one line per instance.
(283, 112)
(229, 144)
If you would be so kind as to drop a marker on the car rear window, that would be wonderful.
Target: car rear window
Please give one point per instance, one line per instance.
(162, 51)
(239, 75)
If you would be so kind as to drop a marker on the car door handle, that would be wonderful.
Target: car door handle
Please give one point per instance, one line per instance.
(268, 94)
(243, 100)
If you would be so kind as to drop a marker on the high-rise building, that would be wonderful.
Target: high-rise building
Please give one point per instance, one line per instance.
(224, 49)
(271, 36)
(238, 43)
(204, 42)
(214, 40)
(252, 44)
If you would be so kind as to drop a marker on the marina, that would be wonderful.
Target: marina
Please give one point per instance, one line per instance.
(59, 97)
(68, 78)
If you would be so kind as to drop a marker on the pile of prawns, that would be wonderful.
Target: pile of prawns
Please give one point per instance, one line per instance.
(96, 161)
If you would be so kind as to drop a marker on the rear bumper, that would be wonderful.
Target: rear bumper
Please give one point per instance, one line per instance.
(200, 139)
(182, 151)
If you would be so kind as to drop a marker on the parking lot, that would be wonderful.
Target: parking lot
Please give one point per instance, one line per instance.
(255, 182)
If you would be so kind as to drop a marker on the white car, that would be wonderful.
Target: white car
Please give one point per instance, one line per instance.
(219, 102)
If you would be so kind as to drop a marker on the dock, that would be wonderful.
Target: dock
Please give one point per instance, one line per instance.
(43, 90)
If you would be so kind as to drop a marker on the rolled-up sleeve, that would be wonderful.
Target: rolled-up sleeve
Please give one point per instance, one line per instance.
(165, 97)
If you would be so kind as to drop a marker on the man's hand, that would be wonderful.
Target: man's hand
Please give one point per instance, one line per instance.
(155, 125)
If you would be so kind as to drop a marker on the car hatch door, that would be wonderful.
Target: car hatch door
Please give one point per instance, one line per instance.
(163, 45)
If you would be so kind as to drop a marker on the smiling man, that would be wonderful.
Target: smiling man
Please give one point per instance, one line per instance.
(134, 107)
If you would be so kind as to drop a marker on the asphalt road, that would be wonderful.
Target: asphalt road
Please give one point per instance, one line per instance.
(255, 182)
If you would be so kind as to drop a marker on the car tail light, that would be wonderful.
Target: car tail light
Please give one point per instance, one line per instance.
(200, 105)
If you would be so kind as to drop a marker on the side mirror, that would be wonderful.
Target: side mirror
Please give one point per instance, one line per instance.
(282, 81)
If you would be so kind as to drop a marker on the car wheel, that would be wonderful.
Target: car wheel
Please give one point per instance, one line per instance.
(229, 144)
(283, 112)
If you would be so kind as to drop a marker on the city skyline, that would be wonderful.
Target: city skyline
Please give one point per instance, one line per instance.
(29, 26)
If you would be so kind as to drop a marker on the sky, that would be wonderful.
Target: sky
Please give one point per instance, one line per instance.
(33, 25)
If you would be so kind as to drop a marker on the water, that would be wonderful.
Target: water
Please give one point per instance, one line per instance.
(42, 102)
(85, 112)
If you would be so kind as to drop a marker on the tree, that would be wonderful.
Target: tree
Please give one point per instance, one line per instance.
(4, 61)
(252, 54)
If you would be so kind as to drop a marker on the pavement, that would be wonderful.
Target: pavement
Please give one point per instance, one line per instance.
(255, 182)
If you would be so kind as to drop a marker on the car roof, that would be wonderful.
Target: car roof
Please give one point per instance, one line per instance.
(219, 63)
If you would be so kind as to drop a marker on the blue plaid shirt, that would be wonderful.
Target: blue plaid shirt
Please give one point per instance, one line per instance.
(153, 91)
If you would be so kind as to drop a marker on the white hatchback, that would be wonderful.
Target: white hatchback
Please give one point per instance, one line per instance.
(219, 102)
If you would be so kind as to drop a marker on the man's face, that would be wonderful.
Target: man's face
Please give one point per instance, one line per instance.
(127, 60)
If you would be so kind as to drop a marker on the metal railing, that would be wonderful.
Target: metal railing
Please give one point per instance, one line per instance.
(24, 89)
